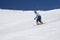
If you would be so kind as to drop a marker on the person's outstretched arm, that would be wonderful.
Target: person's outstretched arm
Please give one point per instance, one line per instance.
(35, 17)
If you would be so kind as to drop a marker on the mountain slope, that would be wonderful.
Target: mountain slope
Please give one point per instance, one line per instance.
(19, 25)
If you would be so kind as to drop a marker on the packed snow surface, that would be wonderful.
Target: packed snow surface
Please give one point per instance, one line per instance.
(20, 25)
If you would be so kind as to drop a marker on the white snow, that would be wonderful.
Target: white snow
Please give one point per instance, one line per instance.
(20, 25)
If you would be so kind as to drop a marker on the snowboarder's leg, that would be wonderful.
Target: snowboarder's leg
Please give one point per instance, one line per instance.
(40, 21)
(37, 21)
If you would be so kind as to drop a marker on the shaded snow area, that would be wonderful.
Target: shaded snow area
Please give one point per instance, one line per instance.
(20, 25)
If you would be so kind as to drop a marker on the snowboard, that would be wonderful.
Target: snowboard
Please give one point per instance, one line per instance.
(38, 24)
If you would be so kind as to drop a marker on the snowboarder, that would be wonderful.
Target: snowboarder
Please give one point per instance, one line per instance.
(38, 18)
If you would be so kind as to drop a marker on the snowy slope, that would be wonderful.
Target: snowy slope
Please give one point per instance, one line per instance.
(20, 25)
